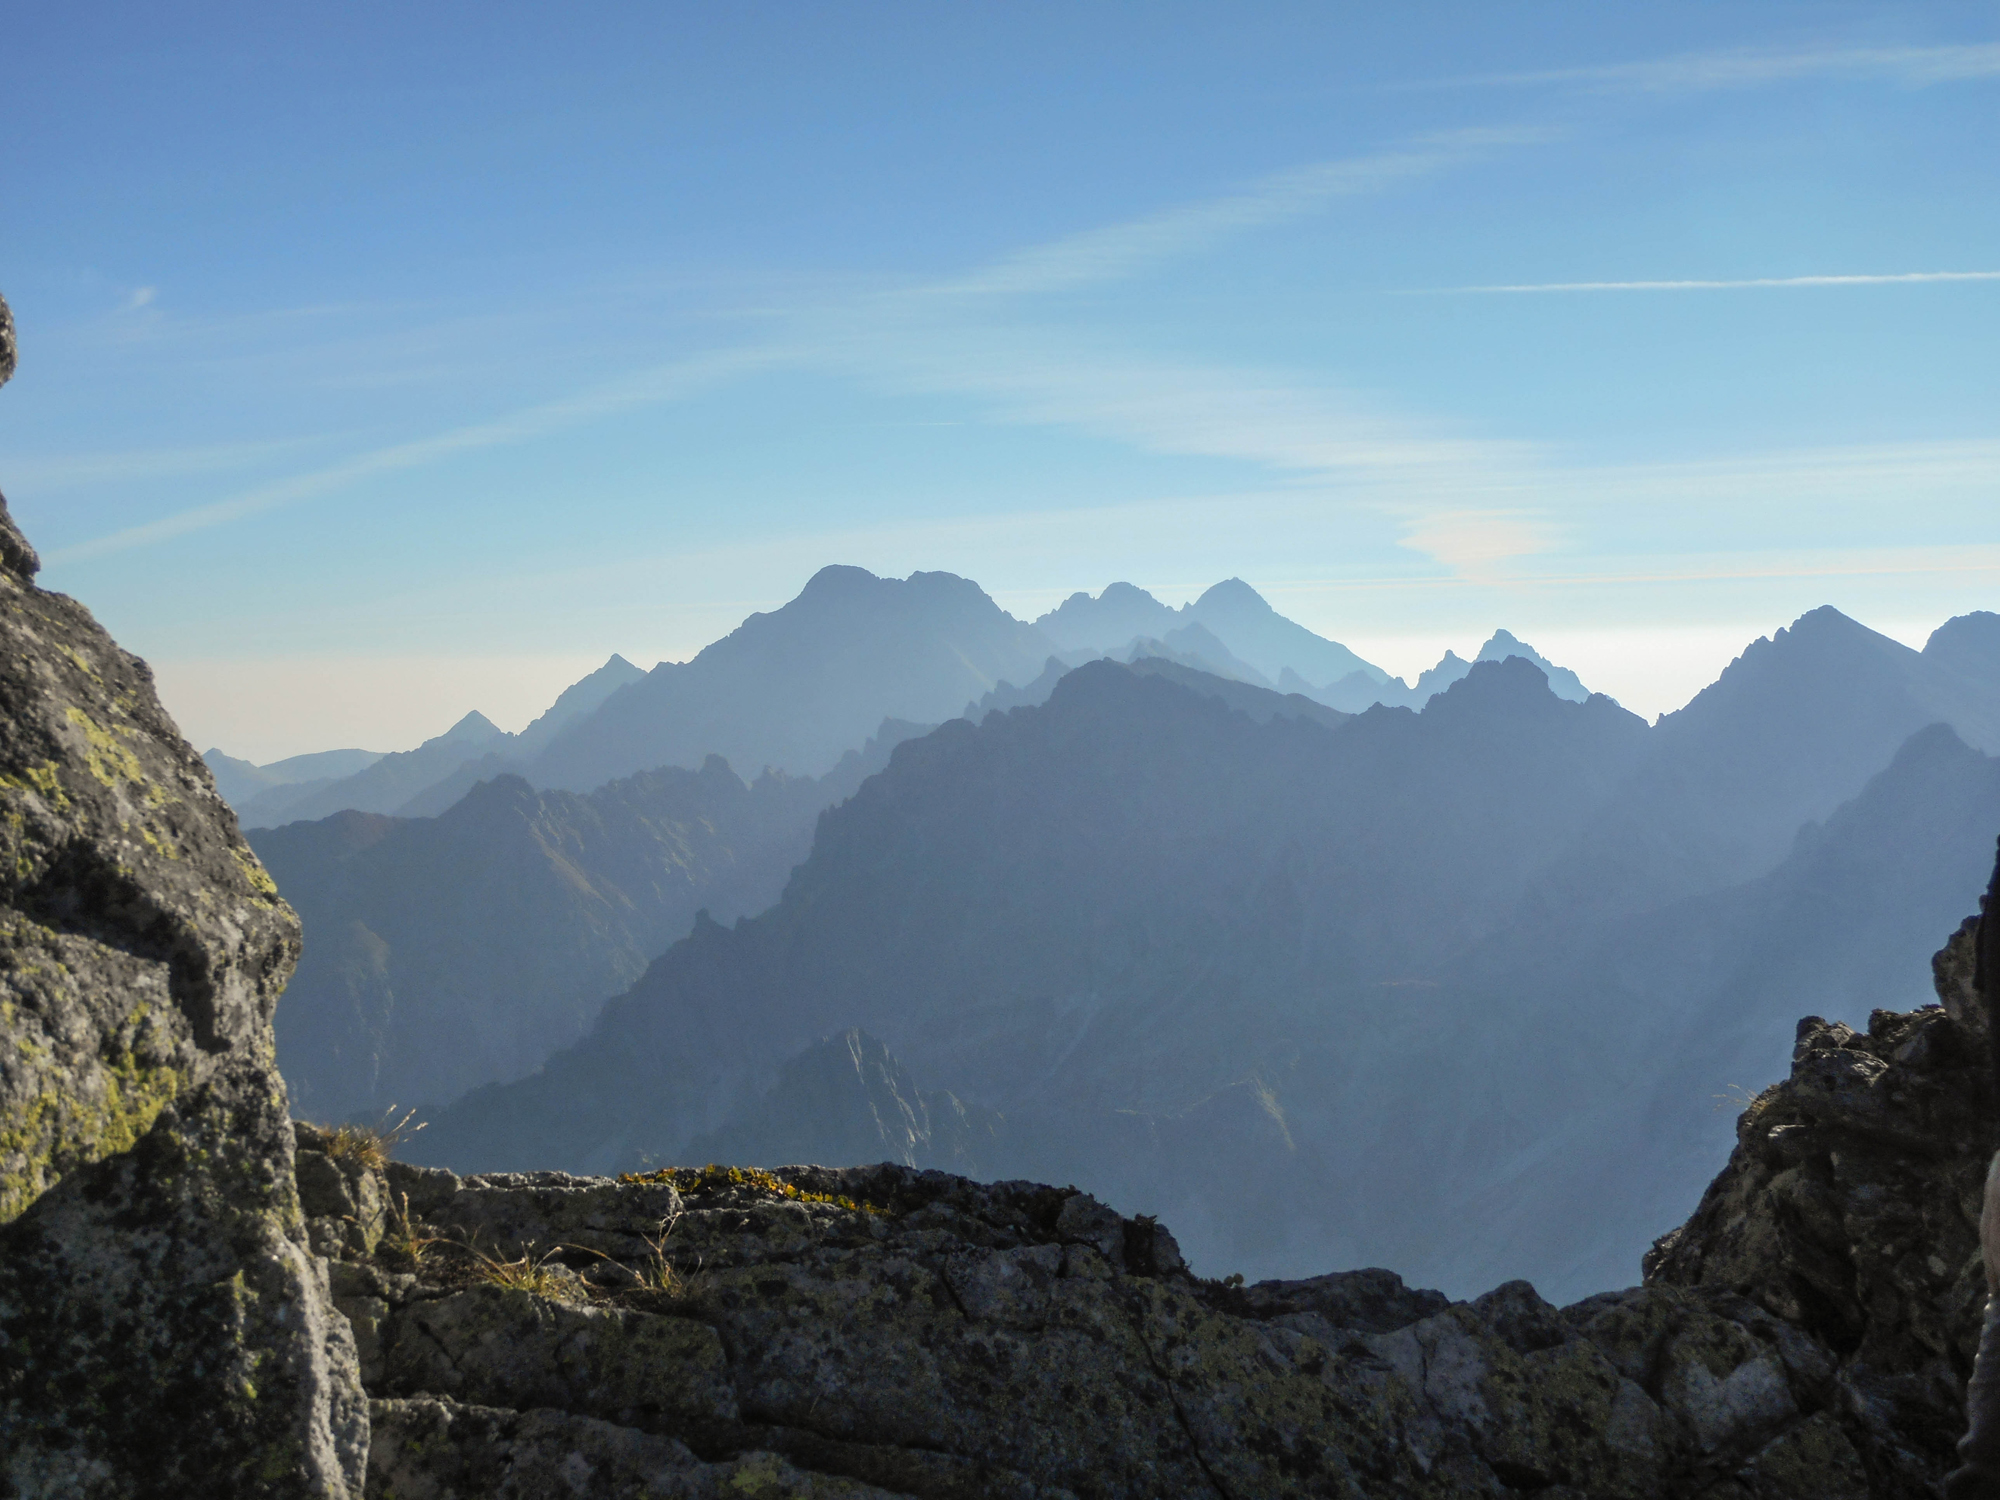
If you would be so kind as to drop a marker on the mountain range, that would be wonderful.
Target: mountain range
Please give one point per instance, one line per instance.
(445, 952)
(1198, 956)
(795, 689)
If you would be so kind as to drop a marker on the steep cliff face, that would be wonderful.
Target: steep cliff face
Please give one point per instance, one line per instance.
(163, 1327)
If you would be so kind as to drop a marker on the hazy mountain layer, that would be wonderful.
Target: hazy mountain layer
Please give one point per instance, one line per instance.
(1358, 690)
(446, 952)
(239, 780)
(798, 687)
(424, 781)
(1790, 730)
(1249, 630)
(1090, 905)
(1296, 985)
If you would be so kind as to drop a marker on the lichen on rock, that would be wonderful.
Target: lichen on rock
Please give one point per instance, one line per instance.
(164, 1328)
(885, 1330)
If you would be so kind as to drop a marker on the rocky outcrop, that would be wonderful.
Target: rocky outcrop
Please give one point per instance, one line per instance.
(882, 1330)
(164, 1329)
(1850, 1211)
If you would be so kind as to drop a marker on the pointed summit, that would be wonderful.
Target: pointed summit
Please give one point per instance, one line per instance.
(1562, 681)
(1119, 615)
(1245, 622)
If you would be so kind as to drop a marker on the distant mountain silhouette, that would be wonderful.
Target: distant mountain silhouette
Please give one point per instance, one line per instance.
(1261, 705)
(1014, 908)
(798, 687)
(1303, 986)
(1792, 728)
(1235, 615)
(1196, 647)
(1357, 691)
(1121, 613)
(442, 953)
(240, 780)
(385, 784)
(1267, 640)
(427, 780)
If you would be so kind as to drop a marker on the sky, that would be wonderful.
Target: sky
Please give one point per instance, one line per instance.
(383, 362)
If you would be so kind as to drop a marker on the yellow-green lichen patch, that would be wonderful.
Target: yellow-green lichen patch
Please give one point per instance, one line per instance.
(714, 1177)
(81, 663)
(76, 1119)
(254, 872)
(42, 780)
(163, 847)
(106, 758)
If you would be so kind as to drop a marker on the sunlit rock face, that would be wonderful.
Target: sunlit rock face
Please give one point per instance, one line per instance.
(164, 1329)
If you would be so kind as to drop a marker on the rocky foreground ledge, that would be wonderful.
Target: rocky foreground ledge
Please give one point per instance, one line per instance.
(879, 1330)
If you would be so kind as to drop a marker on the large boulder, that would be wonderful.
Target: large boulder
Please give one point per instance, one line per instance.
(164, 1327)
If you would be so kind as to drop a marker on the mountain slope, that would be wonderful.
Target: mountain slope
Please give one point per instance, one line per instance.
(1109, 902)
(384, 785)
(442, 953)
(1270, 642)
(1794, 727)
(1706, 995)
(799, 686)
(1289, 982)
(1121, 613)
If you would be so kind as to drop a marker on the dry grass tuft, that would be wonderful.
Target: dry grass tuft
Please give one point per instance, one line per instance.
(539, 1275)
(371, 1145)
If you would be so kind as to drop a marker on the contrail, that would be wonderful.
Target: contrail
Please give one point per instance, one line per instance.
(1709, 286)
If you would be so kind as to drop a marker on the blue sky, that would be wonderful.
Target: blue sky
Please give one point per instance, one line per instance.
(387, 362)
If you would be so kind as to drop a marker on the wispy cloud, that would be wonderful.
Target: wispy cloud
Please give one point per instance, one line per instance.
(1893, 278)
(62, 471)
(1121, 250)
(1474, 544)
(942, 336)
(666, 383)
(1702, 72)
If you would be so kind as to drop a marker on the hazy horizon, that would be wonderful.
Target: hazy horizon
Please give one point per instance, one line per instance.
(396, 702)
(382, 365)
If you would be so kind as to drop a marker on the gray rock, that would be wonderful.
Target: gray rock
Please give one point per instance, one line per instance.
(926, 1335)
(440, 1450)
(164, 1328)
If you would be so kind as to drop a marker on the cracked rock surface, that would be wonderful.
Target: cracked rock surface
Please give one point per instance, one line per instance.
(880, 1330)
(164, 1327)
(1849, 1215)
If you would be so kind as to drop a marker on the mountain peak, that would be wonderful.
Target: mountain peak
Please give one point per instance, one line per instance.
(1234, 593)
(1968, 642)
(1562, 682)
(838, 579)
(471, 729)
